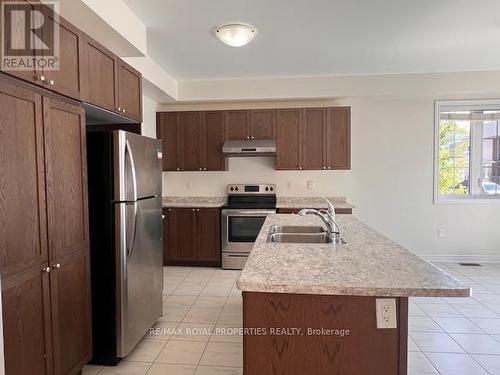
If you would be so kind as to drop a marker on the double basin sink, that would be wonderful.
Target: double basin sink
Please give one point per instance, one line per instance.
(302, 234)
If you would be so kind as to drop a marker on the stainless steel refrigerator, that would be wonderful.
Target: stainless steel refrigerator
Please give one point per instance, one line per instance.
(125, 219)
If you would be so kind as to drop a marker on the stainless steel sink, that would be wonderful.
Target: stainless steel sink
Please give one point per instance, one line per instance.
(304, 238)
(296, 229)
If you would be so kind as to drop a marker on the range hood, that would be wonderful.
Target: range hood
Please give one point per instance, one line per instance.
(251, 147)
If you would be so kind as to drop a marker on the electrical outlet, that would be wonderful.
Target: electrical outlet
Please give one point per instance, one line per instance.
(441, 233)
(386, 313)
(310, 185)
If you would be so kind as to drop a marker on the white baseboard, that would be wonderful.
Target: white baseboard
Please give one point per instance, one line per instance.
(463, 258)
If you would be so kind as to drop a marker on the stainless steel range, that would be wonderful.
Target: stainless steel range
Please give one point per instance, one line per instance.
(242, 218)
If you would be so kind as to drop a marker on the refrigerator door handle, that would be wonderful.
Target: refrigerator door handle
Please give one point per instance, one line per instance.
(128, 151)
(130, 243)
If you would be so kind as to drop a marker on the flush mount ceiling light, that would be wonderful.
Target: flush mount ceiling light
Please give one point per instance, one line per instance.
(235, 34)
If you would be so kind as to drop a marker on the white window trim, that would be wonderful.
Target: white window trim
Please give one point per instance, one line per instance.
(469, 199)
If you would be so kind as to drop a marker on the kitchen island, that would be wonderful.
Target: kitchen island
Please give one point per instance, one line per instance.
(311, 308)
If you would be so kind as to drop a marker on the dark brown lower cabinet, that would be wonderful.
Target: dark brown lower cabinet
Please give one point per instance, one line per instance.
(192, 237)
(338, 211)
(352, 346)
(27, 331)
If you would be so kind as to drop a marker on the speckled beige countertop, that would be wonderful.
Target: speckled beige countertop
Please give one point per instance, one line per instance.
(369, 265)
(311, 202)
(194, 201)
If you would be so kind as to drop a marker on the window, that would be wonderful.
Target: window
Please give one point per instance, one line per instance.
(467, 160)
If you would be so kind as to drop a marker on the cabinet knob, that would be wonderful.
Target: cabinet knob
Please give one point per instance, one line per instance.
(119, 109)
(178, 169)
(204, 169)
(253, 137)
(248, 137)
(197, 209)
(193, 209)
(123, 110)
(329, 167)
(324, 167)
(56, 266)
(52, 82)
(163, 217)
(46, 270)
(170, 209)
(201, 169)
(300, 168)
(41, 78)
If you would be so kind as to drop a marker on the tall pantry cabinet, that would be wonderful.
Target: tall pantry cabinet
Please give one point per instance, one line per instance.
(44, 242)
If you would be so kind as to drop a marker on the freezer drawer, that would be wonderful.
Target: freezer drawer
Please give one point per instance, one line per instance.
(139, 270)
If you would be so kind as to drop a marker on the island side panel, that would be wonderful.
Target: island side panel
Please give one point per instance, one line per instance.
(367, 350)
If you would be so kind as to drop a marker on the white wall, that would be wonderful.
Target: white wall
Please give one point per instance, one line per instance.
(391, 180)
(149, 108)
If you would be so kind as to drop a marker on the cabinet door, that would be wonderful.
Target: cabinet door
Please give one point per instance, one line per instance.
(27, 324)
(66, 79)
(71, 313)
(30, 75)
(66, 176)
(313, 138)
(100, 72)
(263, 124)
(180, 236)
(208, 249)
(338, 136)
(190, 128)
(288, 139)
(212, 138)
(129, 92)
(167, 129)
(23, 238)
(237, 125)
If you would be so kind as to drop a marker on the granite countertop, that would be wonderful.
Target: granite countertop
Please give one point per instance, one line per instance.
(369, 265)
(311, 202)
(206, 202)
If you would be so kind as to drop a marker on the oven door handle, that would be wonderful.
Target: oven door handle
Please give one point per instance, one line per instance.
(247, 212)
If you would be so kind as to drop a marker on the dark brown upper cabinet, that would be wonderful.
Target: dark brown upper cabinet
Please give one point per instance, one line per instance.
(192, 141)
(263, 124)
(212, 139)
(167, 129)
(190, 129)
(338, 136)
(237, 124)
(100, 74)
(67, 78)
(250, 124)
(313, 138)
(289, 138)
(129, 91)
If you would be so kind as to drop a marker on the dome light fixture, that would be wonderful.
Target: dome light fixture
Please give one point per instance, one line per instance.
(235, 34)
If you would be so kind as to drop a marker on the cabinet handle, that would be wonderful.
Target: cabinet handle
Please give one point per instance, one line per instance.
(46, 270)
(41, 78)
(56, 266)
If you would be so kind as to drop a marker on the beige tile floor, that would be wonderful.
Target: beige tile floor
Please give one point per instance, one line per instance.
(448, 336)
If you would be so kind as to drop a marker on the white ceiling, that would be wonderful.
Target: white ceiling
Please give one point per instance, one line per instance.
(322, 37)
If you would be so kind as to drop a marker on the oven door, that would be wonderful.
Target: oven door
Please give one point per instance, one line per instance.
(241, 227)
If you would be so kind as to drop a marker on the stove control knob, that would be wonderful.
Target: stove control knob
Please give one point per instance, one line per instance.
(271, 188)
(231, 188)
(236, 188)
(267, 189)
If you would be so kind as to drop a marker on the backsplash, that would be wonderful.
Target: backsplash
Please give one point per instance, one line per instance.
(245, 170)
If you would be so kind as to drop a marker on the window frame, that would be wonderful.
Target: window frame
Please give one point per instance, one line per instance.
(483, 104)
